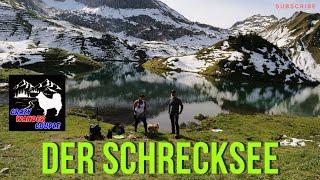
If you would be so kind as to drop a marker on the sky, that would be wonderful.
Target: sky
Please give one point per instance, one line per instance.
(224, 13)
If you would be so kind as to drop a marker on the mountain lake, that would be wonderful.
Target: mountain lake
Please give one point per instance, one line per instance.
(111, 92)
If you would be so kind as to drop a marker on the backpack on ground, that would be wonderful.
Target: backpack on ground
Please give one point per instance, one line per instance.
(95, 133)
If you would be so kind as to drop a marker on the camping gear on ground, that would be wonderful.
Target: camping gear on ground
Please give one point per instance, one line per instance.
(118, 136)
(117, 129)
(109, 134)
(95, 133)
(153, 128)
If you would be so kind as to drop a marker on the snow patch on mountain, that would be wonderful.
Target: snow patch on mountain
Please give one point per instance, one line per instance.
(194, 63)
(163, 49)
(304, 60)
(70, 60)
(294, 39)
(66, 4)
(188, 63)
(313, 27)
(280, 36)
(248, 55)
(122, 13)
(13, 51)
(136, 22)
(198, 41)
(253, 24)
(25, 36)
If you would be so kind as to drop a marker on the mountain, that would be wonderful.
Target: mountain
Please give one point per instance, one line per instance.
(245, 56)
(74, 34)
(164, 49)
(299, 36)
(253, 24)
(26, 35)
(135, 20)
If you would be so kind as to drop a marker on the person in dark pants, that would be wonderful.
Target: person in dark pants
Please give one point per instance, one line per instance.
(175, 108)
(139, 112)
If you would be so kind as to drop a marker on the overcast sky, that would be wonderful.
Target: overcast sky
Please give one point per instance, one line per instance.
(224, 13)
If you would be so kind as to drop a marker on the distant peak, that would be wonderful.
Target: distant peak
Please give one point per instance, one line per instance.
(299, 13)
(253, 24)
(121, 4)
(263, 16)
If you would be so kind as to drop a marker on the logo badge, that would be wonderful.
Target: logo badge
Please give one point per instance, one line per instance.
(36, 103)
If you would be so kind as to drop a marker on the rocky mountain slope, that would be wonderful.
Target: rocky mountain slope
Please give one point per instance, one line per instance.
(245, 56)
(25, 37)
(299, 36)
(135, 20)
(254, 24)
(74, 34)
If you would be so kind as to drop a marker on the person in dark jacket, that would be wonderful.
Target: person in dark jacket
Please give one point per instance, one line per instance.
(175, 108)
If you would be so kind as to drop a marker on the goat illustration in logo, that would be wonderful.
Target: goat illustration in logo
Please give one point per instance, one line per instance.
(46, 103)
(37, 103)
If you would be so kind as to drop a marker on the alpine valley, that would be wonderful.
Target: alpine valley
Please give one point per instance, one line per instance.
(255, 81)
(74, 36)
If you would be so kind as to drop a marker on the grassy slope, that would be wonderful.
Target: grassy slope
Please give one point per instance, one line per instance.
(159, 66)
(24, 159)
(54, 57)
(4, 73)
(156, 64)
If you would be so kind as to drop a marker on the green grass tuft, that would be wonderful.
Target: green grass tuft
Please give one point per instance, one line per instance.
(5, 73)
(157, 63)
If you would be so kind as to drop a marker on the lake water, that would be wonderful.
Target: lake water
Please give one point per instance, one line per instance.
(112, 90)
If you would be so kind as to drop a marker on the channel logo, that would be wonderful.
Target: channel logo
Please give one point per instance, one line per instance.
(36, 103)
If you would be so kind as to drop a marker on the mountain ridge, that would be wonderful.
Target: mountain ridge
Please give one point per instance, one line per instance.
(136, 23)
(299, 36)
(246, 56)
(253, 24)
(139, 29)
(25, 37)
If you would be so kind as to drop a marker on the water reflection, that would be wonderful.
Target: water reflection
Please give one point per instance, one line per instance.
(304, 102)
(115, 88)
(4, 96)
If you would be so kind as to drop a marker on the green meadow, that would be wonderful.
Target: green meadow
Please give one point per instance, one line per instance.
(24, 158)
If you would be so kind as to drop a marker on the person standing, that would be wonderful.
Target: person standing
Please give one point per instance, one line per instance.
(175, 108)
(139, 112)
